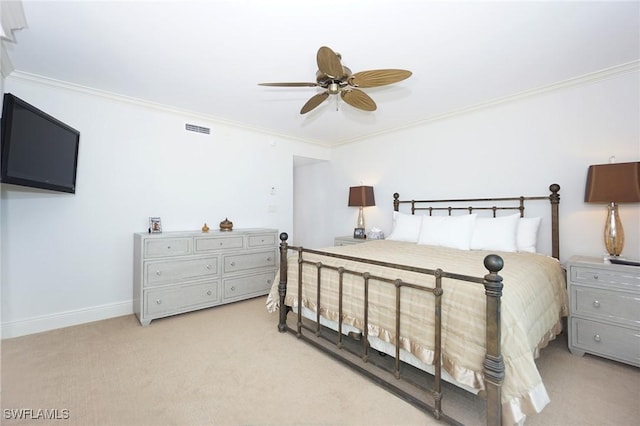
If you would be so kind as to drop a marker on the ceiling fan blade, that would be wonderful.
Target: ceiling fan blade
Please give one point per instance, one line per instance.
(329, 62)
(374, 78)
(288, 84)
(358, 99)
(314, 102)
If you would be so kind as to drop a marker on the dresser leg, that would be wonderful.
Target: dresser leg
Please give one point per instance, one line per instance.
(575, 351)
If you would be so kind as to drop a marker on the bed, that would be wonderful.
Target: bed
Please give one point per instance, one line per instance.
(458, 290)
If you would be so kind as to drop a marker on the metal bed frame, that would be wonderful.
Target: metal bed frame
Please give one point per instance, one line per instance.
(338, 346)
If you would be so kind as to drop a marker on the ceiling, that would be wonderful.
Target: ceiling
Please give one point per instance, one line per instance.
(207, 57)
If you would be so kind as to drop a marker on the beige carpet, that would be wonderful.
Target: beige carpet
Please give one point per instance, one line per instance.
(230, 366)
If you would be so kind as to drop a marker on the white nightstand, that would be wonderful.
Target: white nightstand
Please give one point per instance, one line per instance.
(348, 240)
(604, 309)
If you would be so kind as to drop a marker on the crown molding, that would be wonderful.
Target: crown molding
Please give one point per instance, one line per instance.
(594, 77)
(78, 88)
(590, 78)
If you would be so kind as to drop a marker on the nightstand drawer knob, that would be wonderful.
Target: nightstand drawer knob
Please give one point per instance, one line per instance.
(596, 303)
(209, 293)
(158, 273)
(159, 302)
(595, 277)
(597, 338)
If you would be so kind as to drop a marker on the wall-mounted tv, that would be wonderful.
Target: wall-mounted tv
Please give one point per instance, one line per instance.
(38, 150)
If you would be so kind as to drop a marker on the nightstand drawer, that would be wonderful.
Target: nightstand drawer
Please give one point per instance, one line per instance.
(610, 305)
(600, 276)
(612, 341)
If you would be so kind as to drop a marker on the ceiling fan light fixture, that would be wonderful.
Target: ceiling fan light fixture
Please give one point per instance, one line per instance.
(336, 78)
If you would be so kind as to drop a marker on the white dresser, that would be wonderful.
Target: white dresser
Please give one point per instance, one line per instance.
(176, 272)
(604, 310)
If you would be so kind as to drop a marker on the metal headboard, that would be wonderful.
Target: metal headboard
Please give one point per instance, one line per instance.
(518, 205)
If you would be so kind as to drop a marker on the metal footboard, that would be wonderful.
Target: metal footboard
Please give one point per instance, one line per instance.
(335, 345)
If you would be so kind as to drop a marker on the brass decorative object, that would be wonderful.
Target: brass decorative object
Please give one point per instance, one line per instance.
(205, 228)
(226, 225)
(336, 78)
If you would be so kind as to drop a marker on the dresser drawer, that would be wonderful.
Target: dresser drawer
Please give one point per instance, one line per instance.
(247, 261)
(243, 287)
(262, 240)
(167, 247)
(162, 272)
(174, 299)
(610, 305)
(608, 340)
(205, 244)
(602, 276)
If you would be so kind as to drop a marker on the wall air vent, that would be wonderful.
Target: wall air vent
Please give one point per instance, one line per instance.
(197, 129)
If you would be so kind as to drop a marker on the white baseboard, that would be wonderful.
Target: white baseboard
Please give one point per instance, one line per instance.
(65, 319)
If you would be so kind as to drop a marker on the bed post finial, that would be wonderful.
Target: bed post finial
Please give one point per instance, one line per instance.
(396, 202)
(493, 365)
(282, 284)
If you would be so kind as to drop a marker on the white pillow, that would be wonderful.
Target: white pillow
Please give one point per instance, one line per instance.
(527, 236)
(406, 227)
(496, 233)
(447, 231)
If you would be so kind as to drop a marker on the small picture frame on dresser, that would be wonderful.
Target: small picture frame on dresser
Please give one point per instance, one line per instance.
(359, 233)
(155, 225)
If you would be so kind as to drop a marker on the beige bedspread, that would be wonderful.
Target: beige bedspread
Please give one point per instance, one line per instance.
(533, 302)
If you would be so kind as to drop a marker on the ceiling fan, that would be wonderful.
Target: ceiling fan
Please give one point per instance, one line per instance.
(336, 78)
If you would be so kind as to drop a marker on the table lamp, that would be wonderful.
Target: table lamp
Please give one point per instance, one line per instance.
(612, 184)
(361, 196)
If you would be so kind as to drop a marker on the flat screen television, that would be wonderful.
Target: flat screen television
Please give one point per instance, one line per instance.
(38, 150)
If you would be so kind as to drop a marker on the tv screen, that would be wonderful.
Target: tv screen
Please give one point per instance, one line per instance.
(38, 150)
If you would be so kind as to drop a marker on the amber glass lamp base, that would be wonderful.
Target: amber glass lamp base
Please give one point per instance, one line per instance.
(613, 232)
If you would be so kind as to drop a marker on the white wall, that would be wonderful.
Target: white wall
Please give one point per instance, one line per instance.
(68, 258)
(512, 149)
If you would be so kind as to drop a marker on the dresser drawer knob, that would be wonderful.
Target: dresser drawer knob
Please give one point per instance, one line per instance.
(595, 277)
(158, 273)
(208, 292)
(268, 281)
(233, 288)
(597, 338)
(596, 303)
(208, 266)
(233, 264)
(268, 259)
(168, 247)
(159, 302)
